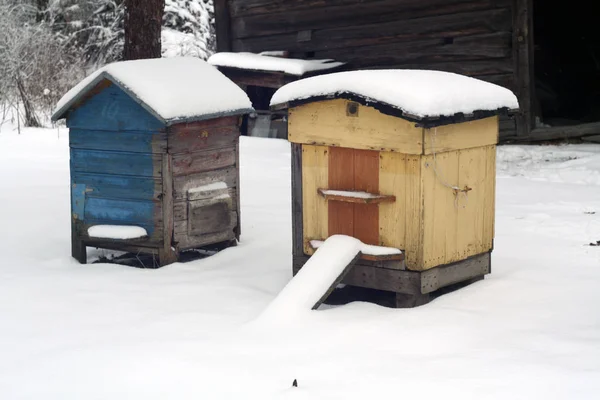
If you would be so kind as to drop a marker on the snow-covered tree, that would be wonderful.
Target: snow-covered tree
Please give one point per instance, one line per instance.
(37, 66)
(188, 28)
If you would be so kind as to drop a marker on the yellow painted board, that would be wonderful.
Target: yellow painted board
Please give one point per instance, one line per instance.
(490, 199)
(465, 135)
(414, 213)
(328, 123)
(457, 224)
(440, 175)
(392, 216)
(315, 175)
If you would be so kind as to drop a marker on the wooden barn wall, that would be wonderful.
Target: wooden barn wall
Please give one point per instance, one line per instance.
(471, 37)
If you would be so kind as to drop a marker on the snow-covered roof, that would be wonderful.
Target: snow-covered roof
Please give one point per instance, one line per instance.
(418, 95)
(265, 62)
(172, 89)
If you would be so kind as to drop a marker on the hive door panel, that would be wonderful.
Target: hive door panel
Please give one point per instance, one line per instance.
(354, 170)
(341, 177)
(366, 179)
(209, 216)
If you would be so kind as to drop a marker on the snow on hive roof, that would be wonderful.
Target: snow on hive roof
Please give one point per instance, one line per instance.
(172, 89)
(417, 95)
(260, 62)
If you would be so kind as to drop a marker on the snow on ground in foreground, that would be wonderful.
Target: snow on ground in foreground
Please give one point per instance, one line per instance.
(531, 330)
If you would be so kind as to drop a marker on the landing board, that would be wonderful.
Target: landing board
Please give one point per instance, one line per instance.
(319, 276)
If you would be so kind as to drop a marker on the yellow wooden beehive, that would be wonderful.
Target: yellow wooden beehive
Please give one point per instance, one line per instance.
(422, 184)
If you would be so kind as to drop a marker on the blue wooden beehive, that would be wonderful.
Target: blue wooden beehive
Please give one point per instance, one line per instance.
(154, 150)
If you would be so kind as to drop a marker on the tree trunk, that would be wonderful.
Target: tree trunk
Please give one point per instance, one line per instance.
(143, 22)
(31, 118)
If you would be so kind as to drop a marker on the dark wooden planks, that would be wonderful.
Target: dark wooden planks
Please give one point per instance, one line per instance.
(181, 184)
(379, 27)
(379, 276)
(203, 135)
(207, 160)
(185, 240)
(523, 64)
(344, 9)
(297, 222)
(257, 78)
(557, 133)
(222, 25)
(464, 36)
(167, 253)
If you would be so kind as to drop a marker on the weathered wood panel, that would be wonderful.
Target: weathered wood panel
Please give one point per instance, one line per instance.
(465, 135)
(346, 10)
(119, 186)
(167, 253)
(369, 275)
(522, 45)
(315, 175)
(202, 135)
(130, 141)
(184, 240)
(113, 110)
(379, 31)
(201, 161)
(222, 25)
(180, 207)
(116, 163)
(327, 123)
(423, 52)
(181, 184)
(297, 200)
(210, 218)
(477, 68)
(269, 79)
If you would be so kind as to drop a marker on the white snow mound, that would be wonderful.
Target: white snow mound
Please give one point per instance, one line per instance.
(120, 232)
(266, 62)
(179, 88)
(419, 93)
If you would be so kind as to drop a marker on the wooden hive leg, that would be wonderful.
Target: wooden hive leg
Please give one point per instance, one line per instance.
(78, 248)
(404, 300)
(167, 256)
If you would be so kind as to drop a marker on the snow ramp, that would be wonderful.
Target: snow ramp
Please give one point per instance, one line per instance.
(320, 275)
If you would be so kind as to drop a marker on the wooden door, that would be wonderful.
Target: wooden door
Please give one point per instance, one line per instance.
(354, 170)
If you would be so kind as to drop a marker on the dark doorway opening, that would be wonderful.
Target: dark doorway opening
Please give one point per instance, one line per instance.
(566, 62)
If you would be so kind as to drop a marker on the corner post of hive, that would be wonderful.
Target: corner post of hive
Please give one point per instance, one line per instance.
(297, 223)
(238, 227)
(78, 247)
(167, 253)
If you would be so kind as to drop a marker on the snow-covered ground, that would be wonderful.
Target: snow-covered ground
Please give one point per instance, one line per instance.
(531, 330)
